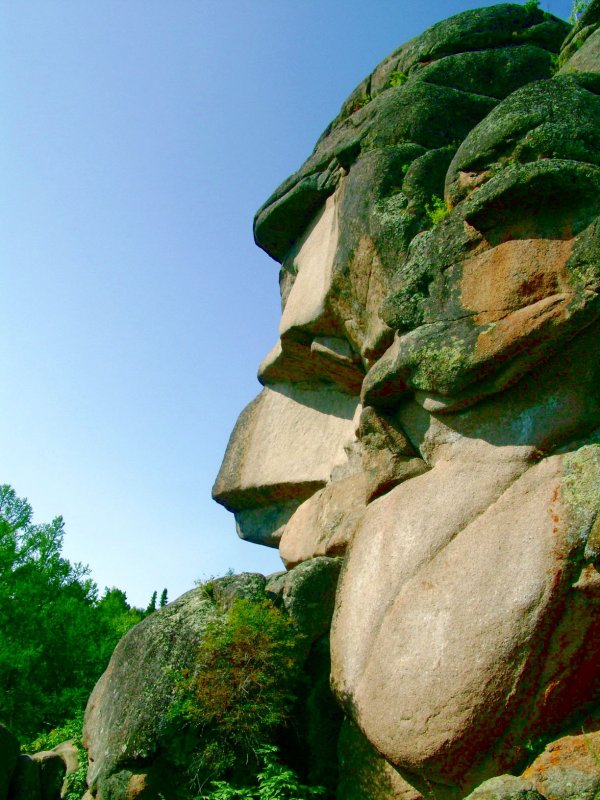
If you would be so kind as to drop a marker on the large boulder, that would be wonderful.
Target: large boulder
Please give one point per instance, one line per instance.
(127, 707)
(447, 642)
(52, 769)
(268, 470)
(127, 730)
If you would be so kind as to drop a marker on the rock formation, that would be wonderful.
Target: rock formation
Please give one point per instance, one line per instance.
(37, 777)
(431, 413)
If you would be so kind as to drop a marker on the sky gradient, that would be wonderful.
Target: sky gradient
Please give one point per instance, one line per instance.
(139, 139)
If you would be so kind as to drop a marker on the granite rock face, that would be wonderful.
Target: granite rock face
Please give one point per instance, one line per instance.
(429, 423)
(444, 237)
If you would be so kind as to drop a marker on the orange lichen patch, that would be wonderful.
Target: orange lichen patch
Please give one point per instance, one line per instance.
(514, 330)
(515, 274)
(571, 753)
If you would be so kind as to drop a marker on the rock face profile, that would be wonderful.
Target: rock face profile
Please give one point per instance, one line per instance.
(442, 242)
(430, 413)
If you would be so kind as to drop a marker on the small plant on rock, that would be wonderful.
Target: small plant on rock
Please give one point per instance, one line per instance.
(397, 78)
(361, 102)
(436, 210)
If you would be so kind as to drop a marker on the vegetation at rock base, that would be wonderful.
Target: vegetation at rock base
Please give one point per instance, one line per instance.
(273, 782)
(76, 784)
(239, 695)
(57, 635)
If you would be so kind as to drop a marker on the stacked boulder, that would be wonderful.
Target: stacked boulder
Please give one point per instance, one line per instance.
(40, 776)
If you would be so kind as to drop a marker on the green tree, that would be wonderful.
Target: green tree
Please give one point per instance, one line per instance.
(151, 607)
(163, 598)
(55, 637)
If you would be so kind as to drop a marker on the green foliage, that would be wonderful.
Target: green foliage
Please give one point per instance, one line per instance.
(151, 607)
(531, 5)
(239, 693)
(579, 6)
(397, 78)
(361, 102)
(164, 598)
(56, 636)
(76, 783)
(436, 210)
(274, 782)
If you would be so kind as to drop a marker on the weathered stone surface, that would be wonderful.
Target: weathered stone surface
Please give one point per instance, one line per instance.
(505, 787)
(325, 360)
(365, 774)
(587, 56)
(25, 783)
(494, 73)
(126, 720)
(388, 458)
(568, 769)
(443, 240)
(497, 286)
(283, 449)
(307, 593)
(325, 523)
(586, 25)
(70, 756)
(9, 754)
(423, 589)
(546, 119)
(380, 113)
(127, 707)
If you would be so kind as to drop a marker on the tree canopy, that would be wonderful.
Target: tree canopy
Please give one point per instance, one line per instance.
(56, 634)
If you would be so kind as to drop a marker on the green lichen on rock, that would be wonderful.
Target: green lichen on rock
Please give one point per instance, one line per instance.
(438, 368)
(581, 492)
(505, 787)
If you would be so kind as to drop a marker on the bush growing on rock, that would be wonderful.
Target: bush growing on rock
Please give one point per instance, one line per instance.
(240, 691)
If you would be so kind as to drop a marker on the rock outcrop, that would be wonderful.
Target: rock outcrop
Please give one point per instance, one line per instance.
(36, 777)
(127, 731)
(430, 417)
(446, 228)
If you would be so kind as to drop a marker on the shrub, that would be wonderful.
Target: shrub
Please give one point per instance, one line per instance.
(436, 210)
(274, 782)
(239, 692)
(397, 78)
(361, 102)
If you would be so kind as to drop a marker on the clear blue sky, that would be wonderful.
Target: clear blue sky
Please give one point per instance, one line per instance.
(139, 137)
